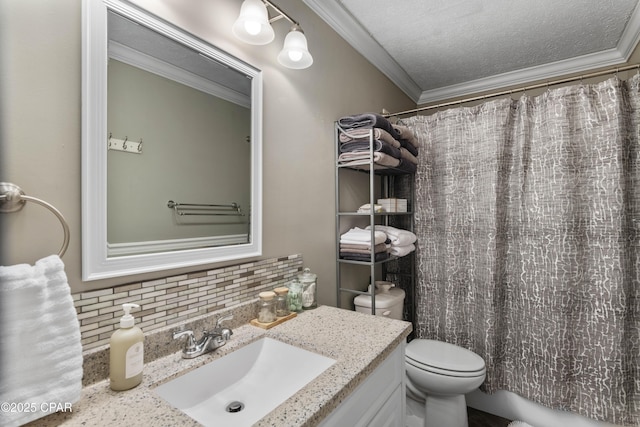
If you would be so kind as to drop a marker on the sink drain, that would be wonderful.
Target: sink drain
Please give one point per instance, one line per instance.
(235, 407)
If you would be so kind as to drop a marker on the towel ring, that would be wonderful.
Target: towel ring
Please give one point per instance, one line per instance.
(13, 199)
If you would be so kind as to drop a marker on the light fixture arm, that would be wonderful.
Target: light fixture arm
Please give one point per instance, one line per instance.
(280, 15)
(253, 26)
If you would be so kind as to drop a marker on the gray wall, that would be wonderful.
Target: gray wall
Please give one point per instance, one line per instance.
(40, 112)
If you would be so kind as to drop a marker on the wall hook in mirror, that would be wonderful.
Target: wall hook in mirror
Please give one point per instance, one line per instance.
(125, 145)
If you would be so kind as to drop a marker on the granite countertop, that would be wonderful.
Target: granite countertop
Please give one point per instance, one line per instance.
(358, 342)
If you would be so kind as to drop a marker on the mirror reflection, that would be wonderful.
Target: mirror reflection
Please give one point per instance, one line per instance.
(179, 125)
(171, 147)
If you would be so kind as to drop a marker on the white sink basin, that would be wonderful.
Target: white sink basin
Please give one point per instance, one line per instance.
(256, 378)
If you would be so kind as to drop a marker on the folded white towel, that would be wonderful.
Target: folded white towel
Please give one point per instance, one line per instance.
(400, 251)
(358, 235)
(366, 208)
(40, 344)
(397, 236)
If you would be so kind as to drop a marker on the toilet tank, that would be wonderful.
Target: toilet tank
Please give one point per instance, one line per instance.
(388, 304)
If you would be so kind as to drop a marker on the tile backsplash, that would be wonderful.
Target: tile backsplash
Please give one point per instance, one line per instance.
(178, 298)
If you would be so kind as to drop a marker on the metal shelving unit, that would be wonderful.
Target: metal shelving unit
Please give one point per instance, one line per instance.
(383, 182)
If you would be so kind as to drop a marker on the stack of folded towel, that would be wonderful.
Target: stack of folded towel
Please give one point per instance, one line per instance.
(356, 245)
(394, 146)
(400, 242)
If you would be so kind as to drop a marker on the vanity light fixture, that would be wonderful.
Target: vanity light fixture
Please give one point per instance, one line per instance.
(253, 26)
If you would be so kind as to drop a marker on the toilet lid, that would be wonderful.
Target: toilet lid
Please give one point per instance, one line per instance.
(442, 355)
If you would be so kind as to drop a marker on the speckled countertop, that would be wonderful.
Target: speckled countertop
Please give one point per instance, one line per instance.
(358, 342)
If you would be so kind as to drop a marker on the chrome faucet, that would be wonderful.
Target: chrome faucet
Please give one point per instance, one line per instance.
(209, 341)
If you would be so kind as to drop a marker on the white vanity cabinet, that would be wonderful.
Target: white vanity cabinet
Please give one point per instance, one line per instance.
(379, 401)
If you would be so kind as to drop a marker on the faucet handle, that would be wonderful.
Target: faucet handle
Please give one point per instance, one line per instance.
(191, 339)
(223, 319)
(226, 334)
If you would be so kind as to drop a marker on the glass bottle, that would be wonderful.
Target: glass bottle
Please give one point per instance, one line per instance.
(266, 307)
(282, 307)
(294, 296)
(309, 282)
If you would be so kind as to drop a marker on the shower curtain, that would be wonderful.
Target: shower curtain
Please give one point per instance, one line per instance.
(527, 216)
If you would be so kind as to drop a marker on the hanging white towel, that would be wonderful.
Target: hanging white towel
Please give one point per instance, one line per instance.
(40, 346)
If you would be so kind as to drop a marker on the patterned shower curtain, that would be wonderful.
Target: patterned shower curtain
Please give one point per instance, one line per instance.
(528, 220)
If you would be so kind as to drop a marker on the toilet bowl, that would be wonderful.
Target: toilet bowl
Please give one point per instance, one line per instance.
(440, 374)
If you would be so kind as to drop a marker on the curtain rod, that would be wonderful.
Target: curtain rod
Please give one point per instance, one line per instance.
(521, 89)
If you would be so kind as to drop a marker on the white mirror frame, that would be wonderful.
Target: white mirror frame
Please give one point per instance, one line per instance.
(96, 264)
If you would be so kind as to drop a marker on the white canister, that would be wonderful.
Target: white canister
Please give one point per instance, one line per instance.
(309, 283)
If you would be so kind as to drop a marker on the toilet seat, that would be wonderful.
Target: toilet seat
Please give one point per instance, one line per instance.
(443, 358)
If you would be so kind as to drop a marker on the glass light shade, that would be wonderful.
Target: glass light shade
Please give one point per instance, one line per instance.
(252, 25)
(294, 53)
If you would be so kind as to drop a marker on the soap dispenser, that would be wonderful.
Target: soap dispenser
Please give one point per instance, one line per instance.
(126, 355)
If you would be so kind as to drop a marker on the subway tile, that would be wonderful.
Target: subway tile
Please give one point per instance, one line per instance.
(174, 299)
(97, 331)
(111, 309)
(113, 296)
(188, 292)
(87, 314)
(140, 291)
(151, 306)
(189, 282)
(132, 298)
(177, 278)
(84, 302)
(98, 293)
(166, 296)
(127, 288)
(197, 274)
(197, 304)
(154, 316)
(88, 340)
(96, 306)
(209, 297)
(89, 327)
(157, 325)
(154, 283)
(177, 310)
(169, 285)
(96, 319)
(155, 294)
(215, 272)
(105, 337)
(112, 321)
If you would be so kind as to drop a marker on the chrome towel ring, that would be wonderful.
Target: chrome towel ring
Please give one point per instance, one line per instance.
(13, 199)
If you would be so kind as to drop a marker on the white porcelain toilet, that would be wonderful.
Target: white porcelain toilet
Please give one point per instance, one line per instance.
(440, 374)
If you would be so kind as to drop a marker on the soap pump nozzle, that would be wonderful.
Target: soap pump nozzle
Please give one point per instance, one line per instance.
(127, 320)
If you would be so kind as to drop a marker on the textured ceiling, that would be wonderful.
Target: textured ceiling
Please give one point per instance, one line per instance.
(439, 49)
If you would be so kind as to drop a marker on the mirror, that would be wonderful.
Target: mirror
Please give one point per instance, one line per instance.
(172, 147)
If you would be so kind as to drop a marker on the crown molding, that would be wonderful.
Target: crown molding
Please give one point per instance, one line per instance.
(153, 65)
(525, 76)
(350, 29)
